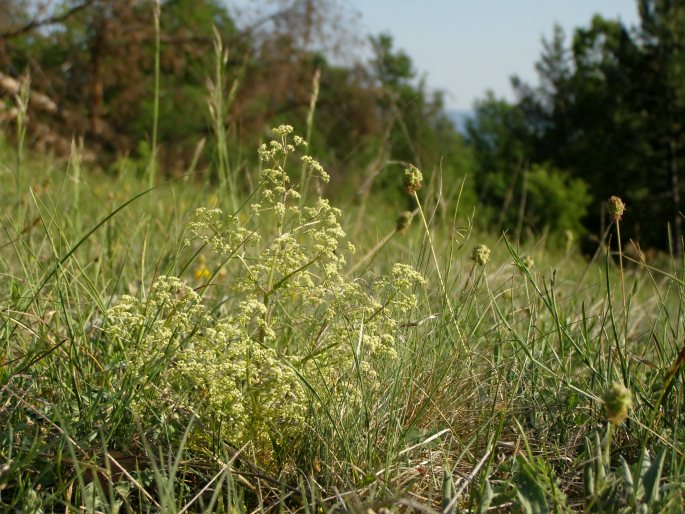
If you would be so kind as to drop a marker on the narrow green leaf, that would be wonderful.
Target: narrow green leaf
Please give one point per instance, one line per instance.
(486, 498)
(628, 483)
(448, 491)
(531, 494)
(653, 477)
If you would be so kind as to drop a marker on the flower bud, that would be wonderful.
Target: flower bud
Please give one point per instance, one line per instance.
(618, 401)
(616, 208)
(403, 221)
(413, 179)
(481, 255)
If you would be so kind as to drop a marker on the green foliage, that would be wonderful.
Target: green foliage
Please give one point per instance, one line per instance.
(250, 375)
(368, 112)
(529, 487)
(213, 354)
(555, 201)
(243, 386)
(166, 350)
(605, 111)
(419, 129)
(626, 489)
(515, 195)
(497, 134)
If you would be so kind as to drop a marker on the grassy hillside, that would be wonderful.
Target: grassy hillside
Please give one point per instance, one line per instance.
(285, 356)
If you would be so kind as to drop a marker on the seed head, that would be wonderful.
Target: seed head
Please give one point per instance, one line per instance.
(481, 255)
(616, 208)
(618, 401)
(403, 221)
(413, 179)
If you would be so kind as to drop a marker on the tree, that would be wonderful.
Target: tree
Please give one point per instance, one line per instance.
(663, 41)
(515, 195)
(97, 62)
(420, 131)
(607, 110)
(99, 68)
(498, 137)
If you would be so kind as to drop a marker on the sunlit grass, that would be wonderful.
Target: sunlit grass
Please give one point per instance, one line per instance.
(493, 393)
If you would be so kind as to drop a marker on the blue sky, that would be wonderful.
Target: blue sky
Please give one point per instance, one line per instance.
(468, 46)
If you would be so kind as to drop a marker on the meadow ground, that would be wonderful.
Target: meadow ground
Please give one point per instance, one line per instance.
(242, 358)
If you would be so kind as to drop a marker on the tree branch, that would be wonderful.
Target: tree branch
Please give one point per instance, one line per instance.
(36, 23)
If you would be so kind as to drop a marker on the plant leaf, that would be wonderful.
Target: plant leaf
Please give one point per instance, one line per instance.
(628, 483)
(485, 498)
(531, 494)
(448, 491)
(652, 478)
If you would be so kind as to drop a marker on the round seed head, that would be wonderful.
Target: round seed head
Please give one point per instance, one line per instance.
(528, 262)
(413, 179)
(618, 401)
(403, 221)
(481, 255)
(616, 208)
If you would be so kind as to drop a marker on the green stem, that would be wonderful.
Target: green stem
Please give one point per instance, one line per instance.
(432, 247)
(304, 178)
(623, 295)
(607, 444)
